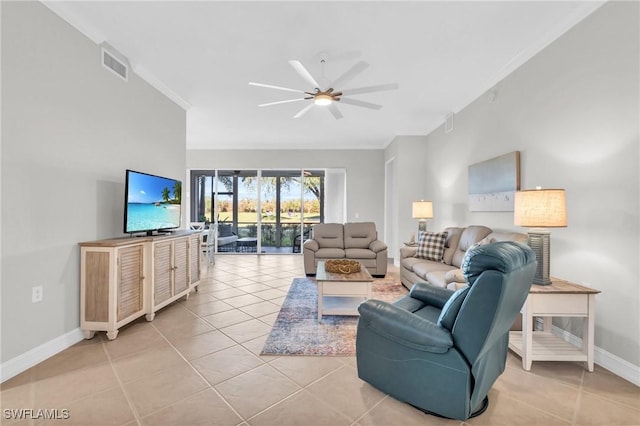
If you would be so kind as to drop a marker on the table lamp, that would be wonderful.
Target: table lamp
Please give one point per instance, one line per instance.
(540, 209)
(422, 210)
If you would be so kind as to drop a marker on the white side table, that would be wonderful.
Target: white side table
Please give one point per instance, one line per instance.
(560, 299)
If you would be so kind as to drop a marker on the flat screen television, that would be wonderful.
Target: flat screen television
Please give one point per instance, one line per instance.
(152, 203)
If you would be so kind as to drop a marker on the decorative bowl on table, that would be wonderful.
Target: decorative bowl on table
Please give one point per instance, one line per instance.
(342, 266)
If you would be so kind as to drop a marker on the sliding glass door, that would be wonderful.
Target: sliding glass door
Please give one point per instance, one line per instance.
(258, 211)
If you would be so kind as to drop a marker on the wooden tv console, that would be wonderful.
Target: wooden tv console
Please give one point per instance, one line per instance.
(122, 279)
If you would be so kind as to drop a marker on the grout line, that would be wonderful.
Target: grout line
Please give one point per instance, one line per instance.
(200, 375)
(370, 409)
(132, 407)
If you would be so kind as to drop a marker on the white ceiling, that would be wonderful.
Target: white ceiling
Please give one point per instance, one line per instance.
(443, 55)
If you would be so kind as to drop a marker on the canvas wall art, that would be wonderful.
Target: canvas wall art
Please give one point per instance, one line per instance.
(493, 183)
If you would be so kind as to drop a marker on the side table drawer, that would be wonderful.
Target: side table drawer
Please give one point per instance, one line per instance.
(558, 304)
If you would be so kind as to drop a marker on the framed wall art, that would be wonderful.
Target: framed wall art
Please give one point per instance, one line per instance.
(493, 183)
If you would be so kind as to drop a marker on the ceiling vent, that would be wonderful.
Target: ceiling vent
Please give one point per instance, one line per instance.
(114, 64)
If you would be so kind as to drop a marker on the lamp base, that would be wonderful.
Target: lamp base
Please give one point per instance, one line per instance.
(422, 225)
(540, 242)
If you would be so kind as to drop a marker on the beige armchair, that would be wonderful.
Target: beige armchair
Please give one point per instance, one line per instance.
(355, 241)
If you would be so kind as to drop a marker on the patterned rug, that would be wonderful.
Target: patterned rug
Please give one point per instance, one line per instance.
(298, 332)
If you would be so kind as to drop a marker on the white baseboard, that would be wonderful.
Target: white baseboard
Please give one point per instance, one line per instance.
(23, 362)
(604, 359)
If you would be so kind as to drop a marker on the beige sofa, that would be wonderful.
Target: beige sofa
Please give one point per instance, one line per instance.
(447, 272)
(357, 241)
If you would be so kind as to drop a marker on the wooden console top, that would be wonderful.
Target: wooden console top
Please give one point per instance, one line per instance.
(123, 241)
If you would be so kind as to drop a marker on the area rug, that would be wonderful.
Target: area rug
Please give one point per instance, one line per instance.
(298, 332)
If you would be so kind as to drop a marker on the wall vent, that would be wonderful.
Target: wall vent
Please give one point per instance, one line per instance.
(115, 65)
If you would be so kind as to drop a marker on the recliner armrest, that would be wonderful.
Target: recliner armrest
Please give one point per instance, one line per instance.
(377, 246)
(431, 295)
(311, 245)
(403, 327)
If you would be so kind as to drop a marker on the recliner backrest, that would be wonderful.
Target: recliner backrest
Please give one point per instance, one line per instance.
(359, 234)
(499, 277)
(329, 235)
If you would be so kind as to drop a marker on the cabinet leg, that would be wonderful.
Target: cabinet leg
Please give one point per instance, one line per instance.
(150, 317)
(112, 334)
(88, 334)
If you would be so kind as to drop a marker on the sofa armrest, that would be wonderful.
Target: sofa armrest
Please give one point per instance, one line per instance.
(403, 327)
(430, 295)
(311, 245)
(408, 252)
(377, 246)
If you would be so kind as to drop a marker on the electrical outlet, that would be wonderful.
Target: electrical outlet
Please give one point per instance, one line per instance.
(36, 294)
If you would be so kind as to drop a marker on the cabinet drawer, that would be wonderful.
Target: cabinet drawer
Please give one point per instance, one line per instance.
(559, 304)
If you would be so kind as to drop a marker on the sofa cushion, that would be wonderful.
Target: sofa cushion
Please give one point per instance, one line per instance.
(426, 266)
(359, 253)
(330, 253)
(438, 277)
(451, 245)
(359, 234)
(410, 262)
(471, 235)
(329, 235)
(507, 236)
(431, 245)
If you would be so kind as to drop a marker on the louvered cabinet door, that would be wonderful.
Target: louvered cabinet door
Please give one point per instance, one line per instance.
(194, 259)
(112, 285)
(162, 272)
(130, 281)
(180, 265)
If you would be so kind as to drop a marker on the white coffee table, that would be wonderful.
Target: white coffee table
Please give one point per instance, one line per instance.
(340, 294)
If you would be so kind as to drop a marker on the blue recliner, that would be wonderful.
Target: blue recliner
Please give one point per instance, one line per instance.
(439, 350)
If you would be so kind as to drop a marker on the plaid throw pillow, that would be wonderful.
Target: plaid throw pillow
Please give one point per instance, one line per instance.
(431, 245)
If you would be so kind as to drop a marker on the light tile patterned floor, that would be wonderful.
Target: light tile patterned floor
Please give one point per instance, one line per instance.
(198, 363)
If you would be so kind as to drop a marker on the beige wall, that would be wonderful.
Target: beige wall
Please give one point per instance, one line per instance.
(70, 128)
(573, 113)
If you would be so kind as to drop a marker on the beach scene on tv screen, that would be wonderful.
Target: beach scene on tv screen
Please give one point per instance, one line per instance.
(153, 202)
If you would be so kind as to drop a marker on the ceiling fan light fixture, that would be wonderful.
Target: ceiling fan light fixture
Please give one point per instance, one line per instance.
(322, 99)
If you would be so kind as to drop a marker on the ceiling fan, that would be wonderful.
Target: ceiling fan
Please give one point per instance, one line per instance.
(329, 96)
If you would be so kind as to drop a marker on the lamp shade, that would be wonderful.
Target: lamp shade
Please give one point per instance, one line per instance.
(540, 208)
(422, 210)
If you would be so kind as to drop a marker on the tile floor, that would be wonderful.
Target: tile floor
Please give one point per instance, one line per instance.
(198, 363)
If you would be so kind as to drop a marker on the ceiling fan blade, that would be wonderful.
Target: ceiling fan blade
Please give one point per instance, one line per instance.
(335, 111)
(303, 111)
(350, 73)
(300, 69)
(270, 86)
(283, 102)
(360, 103)
(368, 89)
